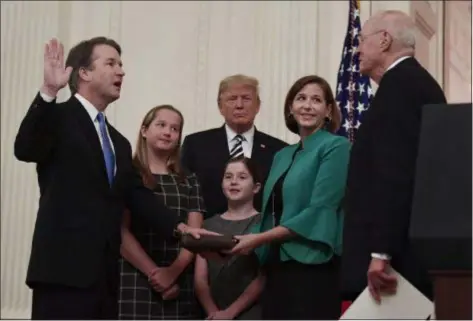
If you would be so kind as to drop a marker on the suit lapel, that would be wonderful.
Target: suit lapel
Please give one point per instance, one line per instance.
(221, 151)
(258, 149)
(88, 129)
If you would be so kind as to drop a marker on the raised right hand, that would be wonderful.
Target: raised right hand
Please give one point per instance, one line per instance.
(56, 75)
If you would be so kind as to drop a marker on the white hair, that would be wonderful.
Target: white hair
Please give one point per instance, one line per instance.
(406, 36)
(400, 26)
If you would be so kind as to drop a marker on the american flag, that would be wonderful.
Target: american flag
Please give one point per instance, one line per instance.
(354, 92)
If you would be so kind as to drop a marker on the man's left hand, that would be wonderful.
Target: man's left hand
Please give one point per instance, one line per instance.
(381, 279)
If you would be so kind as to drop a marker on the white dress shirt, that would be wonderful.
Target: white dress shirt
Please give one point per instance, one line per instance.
(397, 62)
(92, 111)
(247, 143)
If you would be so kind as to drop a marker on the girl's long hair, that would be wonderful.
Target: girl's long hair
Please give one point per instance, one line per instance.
(140, 158)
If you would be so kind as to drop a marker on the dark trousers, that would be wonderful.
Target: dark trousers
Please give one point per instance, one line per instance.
(296, 291)
(100, 301)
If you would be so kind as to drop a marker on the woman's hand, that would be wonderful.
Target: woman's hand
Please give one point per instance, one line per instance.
(247, 243)
(195, 232)
(162, 279)
(171, 293)
(221, 315)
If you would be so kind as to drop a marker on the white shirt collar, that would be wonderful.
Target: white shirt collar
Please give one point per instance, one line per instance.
(248, 135)
(91, 110)
(398, 61)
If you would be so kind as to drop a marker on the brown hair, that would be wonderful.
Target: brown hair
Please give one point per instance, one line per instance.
(335, 116)
(140, 158)
(80, 56)
(250, 165)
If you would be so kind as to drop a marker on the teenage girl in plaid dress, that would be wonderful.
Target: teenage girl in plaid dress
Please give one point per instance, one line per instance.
(156, 274)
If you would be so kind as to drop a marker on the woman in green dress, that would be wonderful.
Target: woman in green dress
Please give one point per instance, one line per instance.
(230, 288)
(298, 241)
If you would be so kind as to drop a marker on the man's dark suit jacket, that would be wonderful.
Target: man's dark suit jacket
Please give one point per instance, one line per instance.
(381, 177)
(206, 153)
(80, 214)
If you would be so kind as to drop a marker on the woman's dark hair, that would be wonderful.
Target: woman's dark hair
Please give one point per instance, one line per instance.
(250, 165)
(335, 116)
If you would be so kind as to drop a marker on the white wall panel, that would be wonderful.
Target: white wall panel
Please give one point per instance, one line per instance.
(24, 28)
(457, 46)
(88, 19)
(163, 61)
(428, 18)
(180, 51)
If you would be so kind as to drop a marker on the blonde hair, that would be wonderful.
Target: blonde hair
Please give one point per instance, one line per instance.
(140, 158)
(238, 79)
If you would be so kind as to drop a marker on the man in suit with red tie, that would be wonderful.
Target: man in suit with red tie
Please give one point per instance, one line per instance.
(383, 160)
(86, 180)
(205, 153)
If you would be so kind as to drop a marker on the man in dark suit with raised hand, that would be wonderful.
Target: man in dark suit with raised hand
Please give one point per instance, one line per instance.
(86, 180)
(205, 153)
(383, 160)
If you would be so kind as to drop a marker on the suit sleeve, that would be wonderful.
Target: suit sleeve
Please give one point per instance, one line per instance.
(186, 155)
(36, 136)
(142, 202)
(394, 151)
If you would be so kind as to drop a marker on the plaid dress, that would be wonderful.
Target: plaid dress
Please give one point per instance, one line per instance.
(137, 299)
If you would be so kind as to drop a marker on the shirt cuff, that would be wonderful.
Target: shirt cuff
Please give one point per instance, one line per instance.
(381, 256)
(46, 97)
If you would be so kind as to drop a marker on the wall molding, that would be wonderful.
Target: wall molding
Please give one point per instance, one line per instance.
(20, 314)
(456, 65)
(201, 81)
(25, 28)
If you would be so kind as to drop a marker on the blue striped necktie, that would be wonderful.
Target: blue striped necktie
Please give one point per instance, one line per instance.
(108, 154)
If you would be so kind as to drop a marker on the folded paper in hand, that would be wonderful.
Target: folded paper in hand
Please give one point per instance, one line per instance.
(407, 303)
